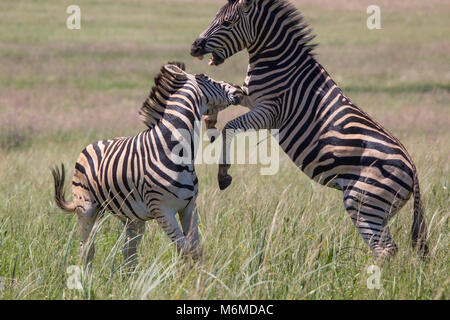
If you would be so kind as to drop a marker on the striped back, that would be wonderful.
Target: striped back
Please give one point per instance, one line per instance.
(174, 88)
(325, 134)
(132, 175)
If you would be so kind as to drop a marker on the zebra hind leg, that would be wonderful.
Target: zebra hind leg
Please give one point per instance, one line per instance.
(386, 248)
(371, 221)
(134, 233)
(87, 216)
(189, 223)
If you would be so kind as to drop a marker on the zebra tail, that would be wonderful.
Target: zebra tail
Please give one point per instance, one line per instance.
(58, 178)
(419, 228)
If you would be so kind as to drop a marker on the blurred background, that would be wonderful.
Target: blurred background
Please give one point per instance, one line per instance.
(62, 89)
(56, 79)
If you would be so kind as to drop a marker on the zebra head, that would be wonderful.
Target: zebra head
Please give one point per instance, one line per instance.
(217, 95)
(229, 32)
(214, 95)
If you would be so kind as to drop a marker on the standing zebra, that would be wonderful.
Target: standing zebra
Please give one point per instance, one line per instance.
(137, 178)
(328, 137)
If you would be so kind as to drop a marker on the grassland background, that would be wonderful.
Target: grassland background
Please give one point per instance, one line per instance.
(62, 89)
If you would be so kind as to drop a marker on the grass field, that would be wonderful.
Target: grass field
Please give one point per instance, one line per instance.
(265, 237)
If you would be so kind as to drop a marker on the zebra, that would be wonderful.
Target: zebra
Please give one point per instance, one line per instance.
(136, 178)
(323, 132)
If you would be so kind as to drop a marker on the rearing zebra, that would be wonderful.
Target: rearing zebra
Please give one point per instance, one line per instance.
(328, 137)
(137, 178)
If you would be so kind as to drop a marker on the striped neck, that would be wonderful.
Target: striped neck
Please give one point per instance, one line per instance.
(282, 32)
(313, 99)
(178, 125)
(283, 46)
(282, 68)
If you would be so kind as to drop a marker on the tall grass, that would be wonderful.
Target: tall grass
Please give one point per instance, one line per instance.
(290, 241)
(265, 237)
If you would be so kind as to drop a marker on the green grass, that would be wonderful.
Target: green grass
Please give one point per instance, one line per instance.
(265, 237)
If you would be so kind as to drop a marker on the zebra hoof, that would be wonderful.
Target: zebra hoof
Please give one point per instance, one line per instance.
(224, 182)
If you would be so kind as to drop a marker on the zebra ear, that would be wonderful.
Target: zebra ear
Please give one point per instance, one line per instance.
(175, 71)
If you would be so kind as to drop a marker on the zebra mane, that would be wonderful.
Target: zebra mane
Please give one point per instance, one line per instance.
(289, 12)
(166, 83)
(293, 14)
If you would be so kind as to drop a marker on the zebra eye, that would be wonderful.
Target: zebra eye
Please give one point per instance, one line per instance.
(226, 24)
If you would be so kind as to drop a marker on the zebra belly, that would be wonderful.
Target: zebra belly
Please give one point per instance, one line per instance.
(135, 205)
(123, 204)
(176, 204)
(136, 208)
(385, 175)
(117, 184)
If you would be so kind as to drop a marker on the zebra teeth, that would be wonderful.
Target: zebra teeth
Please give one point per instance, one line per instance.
(211, 61)
(200, 58)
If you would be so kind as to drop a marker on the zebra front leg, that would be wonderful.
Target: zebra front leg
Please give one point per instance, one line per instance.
(211, 130)
(189, 222)
(246, 100)
(223, 177)
(167, 221)
(134, 233)
(262, 117)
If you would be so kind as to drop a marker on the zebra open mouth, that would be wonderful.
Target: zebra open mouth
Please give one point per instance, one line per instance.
(198, 51)
(215, 60)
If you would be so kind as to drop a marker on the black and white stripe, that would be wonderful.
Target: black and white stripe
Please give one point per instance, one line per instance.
(138, 178)
(328, 137)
